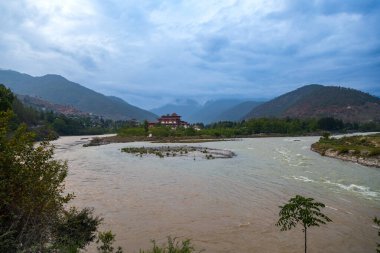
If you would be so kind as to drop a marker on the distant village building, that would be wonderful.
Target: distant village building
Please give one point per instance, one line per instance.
(173, 120)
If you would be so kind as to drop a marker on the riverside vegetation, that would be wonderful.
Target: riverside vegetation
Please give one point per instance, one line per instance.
(252, 127)
(50, 125)
(33, 217)
(221, 131)
(361, 149)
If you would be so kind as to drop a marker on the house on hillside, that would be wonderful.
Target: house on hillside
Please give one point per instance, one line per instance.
(172, 120)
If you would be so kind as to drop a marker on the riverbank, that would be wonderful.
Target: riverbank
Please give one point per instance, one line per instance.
(104, 140)
(364, 150)
(98, 141)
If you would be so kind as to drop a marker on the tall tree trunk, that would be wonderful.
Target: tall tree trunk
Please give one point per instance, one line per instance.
(305, 238)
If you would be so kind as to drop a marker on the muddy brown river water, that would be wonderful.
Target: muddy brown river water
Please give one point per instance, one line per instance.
(224, 205)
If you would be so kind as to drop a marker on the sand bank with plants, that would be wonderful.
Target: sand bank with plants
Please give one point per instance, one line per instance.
(364, 150)
(184, 151)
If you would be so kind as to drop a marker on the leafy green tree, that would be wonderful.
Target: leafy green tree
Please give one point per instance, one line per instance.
(377, 222)
(301, 210)
(31, 187)
(32, 197)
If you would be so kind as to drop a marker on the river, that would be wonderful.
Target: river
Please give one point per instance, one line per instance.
(224, 205)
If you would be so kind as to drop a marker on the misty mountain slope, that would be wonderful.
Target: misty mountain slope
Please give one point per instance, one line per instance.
(315, 101)
(276, 107)
(210, 111)
(58, 90)
(185, 108)
(237, 112)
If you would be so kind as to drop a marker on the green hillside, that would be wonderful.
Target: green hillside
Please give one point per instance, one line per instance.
(58, 90)
(317, 101)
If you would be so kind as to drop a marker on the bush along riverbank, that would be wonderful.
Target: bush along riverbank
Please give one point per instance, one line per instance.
(185, 151)
(364, 150)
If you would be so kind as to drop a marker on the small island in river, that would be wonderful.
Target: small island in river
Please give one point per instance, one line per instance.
(173, 151)
(364, 150)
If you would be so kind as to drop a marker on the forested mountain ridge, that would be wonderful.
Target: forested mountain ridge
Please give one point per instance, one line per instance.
(58, 90)
(317, 101)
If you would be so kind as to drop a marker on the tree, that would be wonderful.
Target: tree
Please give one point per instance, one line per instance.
(326, 135)
(301, 210)
(6, 98)
(377, 222)
(146, 126)
(32, 194)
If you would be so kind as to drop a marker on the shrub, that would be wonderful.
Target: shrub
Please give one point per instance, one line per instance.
(173, 246)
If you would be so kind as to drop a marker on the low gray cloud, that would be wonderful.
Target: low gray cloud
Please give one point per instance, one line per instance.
(152, 52)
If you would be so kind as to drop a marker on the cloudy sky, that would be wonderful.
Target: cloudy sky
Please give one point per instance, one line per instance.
(152, 52)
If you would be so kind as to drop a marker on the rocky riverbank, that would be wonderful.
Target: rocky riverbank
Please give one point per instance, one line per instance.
(364, 150)
(366, 161)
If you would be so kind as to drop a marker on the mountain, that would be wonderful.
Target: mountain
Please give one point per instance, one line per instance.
(316, 101)
(237, 112)
(211, 110)
(185, 108)
(44, 105)
(58, 90)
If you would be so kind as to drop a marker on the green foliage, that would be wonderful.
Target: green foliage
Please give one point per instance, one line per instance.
(6, 98)
(81, 125)
(326, 135)
(377, 222)
(261, 126)
(75, 229)
(330, 124)
(131, 131)
(173, 246)
(31, 187)
(301, 210)
(364, 146)
(146, 126)
(161, 131)
(32, 197)
(106, 240)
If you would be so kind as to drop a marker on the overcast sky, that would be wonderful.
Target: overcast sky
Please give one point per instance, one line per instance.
(152, 52)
